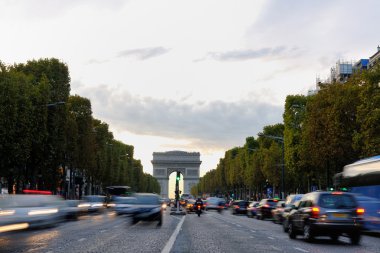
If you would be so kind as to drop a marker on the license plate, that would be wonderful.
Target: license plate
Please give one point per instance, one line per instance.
(340, 215)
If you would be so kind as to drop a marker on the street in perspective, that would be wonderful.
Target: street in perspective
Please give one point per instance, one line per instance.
(166, 126)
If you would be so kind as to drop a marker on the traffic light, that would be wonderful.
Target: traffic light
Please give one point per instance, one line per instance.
(178, 177)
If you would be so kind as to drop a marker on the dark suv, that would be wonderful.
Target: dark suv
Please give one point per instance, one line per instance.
(326, 213)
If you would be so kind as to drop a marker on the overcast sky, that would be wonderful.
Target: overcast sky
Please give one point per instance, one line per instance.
(189, 75)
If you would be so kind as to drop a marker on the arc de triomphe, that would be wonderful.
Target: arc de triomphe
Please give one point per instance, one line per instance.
(165, 163)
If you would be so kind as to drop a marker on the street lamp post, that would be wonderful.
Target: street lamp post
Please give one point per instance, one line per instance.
(281, 140)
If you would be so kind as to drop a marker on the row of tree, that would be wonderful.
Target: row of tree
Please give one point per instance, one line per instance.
(320, 134)
(50, 140)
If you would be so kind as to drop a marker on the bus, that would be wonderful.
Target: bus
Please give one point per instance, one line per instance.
(115, 191)
(363, 178)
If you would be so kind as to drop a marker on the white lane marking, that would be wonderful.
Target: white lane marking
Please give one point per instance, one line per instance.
(102, 231)
(173, 237)
(303, 250)
(271, 238)
(176, 217)
(116, 226)
(82, 239)
(275, 248)
(251, 236)
(253, 231)
(238, 225)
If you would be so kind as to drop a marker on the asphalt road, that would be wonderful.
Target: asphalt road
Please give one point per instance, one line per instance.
(212, 232)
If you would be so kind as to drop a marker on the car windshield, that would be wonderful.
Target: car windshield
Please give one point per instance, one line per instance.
(147, 200)
(125, 200)
(337, 201)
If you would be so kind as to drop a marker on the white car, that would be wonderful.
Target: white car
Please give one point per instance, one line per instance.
(27, 211)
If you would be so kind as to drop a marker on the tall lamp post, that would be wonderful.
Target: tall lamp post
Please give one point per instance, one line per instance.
(281, 140)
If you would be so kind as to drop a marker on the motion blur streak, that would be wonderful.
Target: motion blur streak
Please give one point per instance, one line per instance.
(13, 227)
(7, 212)
(46, 211)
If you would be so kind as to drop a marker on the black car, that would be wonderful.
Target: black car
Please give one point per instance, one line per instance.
(147, 207)
(239, 207)
(290, 201)
(265, 207)
(328, 214)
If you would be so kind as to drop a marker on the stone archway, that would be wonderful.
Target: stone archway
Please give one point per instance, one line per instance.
(165, 163)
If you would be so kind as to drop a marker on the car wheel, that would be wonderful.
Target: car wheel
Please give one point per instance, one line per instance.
(355, 238)
(307, 233)
(285, 226)
(292, 233)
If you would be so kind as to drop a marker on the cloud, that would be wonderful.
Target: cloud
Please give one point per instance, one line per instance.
(144, 53)
(250, 54)
(206, 125)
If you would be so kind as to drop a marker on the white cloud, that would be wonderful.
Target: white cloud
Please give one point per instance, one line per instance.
(143, 53)
(206, 125)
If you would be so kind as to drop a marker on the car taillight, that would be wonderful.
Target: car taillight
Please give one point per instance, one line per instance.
(236, 207)
(315, 212)
(360, 211)
(266, 205)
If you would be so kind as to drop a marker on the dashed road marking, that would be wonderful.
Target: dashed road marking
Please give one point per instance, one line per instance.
(303, 250)
(175, 217)
(102, 231)
(173, 237)
(251, 236)
(271, 238)
(275, 248)
(238, 225)
(253, 231)
(82, 239)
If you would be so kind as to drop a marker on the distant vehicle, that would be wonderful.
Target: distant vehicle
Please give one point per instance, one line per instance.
(278, 211)
(327, 213)
(265, 207)
(214, 203)
(147, 208)
(363, 178)
(94, 203)
(114, 191)
(190, 206)
(251, 209)
(290, 201)
(74, 208)
(239, 207)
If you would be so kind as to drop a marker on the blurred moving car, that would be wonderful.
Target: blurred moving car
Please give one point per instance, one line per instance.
(28, 211)
(251, 209)
(265, 207)
(124, 205)
(214, 203)
(190, 205)
(278, 211)
(371, 217)
(239, 207)
(73, 208)
(147, 207)
(290, 201)
(94, 203)
(327, 213)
